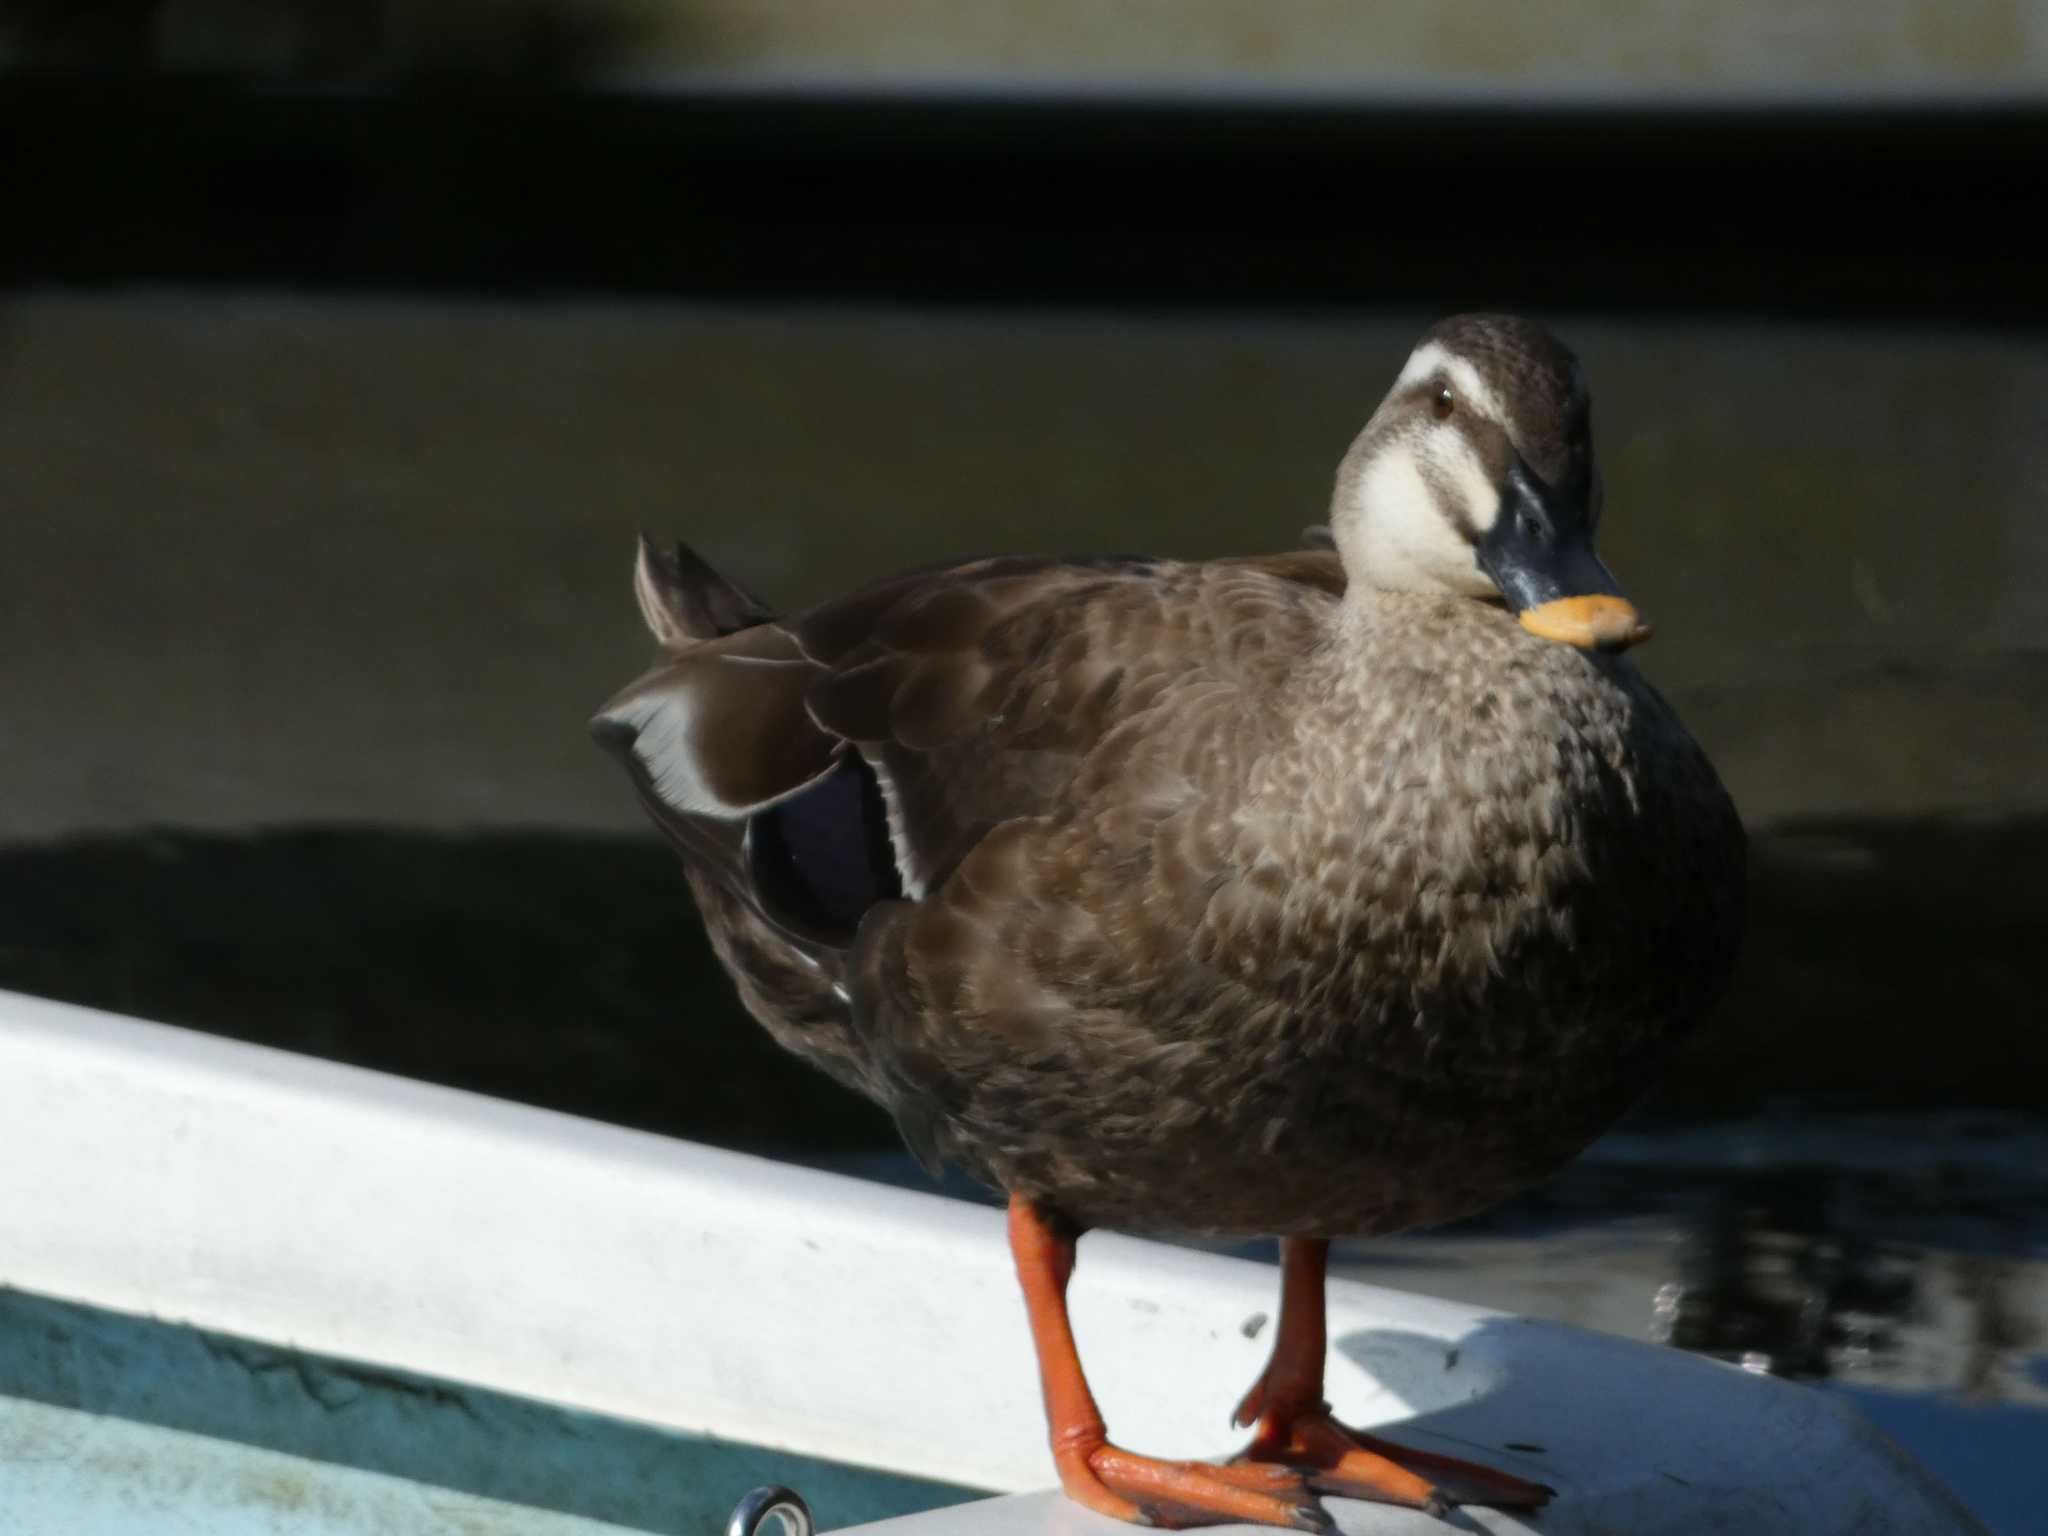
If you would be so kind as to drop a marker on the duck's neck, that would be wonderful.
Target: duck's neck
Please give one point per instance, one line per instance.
(1418, 653)
(1359, 615)
(1375, 619)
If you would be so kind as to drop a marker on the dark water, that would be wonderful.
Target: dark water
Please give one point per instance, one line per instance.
(1845, 1183)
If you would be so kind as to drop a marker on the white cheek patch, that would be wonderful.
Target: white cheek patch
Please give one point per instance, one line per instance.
(1400, 535)
(1430, 359)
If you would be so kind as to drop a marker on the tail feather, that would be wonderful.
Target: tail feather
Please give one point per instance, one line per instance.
(684, 600)
(717, 739)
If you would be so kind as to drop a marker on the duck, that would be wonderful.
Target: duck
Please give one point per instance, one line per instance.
(1313, 895)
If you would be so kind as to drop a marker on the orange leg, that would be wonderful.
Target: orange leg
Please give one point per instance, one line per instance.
(1295, 1427)
(1101, 1476)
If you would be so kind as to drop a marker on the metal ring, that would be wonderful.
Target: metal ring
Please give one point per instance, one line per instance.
(786, 1504)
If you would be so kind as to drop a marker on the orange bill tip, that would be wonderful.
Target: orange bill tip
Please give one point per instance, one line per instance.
(1602, 623)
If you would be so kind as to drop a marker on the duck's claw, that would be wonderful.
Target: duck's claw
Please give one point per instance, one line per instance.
(1352, 1465)
(1176, 1495)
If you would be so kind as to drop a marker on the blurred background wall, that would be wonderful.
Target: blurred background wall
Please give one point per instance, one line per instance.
(277, 558)
(1424, 46)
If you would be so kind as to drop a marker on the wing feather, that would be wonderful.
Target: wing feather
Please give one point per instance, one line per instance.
(1037, 731)
(1040, 731)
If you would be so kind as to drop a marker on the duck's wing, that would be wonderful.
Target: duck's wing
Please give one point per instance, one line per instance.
(975, 691)
(833, 769)
(971, 690)
(1040, 731)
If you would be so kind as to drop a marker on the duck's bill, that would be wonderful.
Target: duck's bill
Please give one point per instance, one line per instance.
(1602, 622)
(1556, 585)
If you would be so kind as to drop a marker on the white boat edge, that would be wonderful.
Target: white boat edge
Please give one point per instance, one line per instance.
(156, 1170)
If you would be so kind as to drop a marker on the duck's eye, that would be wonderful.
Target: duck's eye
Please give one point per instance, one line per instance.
(1443, 403)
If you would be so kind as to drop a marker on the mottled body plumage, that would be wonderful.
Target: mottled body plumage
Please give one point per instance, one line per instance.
(1247, 907)
(1234, 897)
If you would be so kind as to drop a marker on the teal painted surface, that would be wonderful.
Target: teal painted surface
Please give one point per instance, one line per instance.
(67, 1473)
(441, 1434)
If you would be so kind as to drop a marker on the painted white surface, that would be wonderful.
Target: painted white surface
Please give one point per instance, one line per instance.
(155, 1170)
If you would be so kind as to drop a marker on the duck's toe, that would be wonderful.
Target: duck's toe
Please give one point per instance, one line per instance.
(1177, 1495)
(1351, 1465)
(1465, 1482)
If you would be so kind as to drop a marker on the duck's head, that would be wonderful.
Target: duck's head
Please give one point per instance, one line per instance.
(1475, 477)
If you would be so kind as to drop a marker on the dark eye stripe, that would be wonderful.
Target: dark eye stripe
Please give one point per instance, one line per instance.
(1455, 511)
